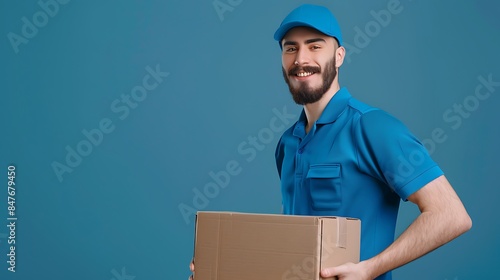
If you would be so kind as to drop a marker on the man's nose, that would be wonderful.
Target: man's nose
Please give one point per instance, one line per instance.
(302, 57)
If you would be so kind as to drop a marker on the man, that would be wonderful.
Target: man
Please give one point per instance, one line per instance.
(345, 158)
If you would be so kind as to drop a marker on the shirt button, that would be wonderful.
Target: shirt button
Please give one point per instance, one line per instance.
(300, 151)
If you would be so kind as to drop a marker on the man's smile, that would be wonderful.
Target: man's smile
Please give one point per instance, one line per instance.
(304, 74)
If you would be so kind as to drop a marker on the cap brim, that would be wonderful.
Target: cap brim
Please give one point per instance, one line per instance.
(283, 29)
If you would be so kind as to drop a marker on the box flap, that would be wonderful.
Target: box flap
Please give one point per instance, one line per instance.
(340, 241)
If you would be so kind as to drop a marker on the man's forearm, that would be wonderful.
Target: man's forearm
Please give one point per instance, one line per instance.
(416, 241)
(438, 223)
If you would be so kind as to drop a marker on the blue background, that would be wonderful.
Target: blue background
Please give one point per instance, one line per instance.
(117, 213)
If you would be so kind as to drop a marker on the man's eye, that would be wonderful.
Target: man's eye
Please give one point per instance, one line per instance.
(316, 47)
(291, 49)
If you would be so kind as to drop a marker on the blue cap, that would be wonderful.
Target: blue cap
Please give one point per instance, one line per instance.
(317, 17)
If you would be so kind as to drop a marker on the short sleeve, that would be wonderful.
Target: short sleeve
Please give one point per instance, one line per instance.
(388, 151)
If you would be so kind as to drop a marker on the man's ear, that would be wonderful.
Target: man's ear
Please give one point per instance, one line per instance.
(339, 56)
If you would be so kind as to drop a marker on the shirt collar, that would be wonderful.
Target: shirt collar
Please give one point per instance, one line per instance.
(333, 109)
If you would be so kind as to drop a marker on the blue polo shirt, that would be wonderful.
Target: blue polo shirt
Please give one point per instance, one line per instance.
(356, 161)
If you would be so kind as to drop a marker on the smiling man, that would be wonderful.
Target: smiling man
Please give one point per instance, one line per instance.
(345, 158)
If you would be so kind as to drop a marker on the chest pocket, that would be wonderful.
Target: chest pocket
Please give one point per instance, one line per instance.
(325, 186)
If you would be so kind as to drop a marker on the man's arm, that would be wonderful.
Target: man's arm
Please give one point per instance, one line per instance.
(443, 218)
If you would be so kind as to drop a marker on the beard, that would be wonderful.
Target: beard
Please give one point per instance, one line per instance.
(304, 94)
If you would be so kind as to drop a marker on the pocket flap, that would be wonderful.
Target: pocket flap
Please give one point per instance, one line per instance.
(324, 171)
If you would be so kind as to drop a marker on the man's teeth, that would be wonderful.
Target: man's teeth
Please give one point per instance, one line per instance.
(304, 74)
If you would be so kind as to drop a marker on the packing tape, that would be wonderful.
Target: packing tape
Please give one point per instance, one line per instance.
(341, 232)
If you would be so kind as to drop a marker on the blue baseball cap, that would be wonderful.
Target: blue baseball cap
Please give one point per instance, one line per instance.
(317, 17)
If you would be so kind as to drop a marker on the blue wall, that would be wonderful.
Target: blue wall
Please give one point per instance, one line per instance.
(115, 113)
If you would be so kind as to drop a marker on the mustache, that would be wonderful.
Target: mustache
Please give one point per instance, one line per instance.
(297, 69)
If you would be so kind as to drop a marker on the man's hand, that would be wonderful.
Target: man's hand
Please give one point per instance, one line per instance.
(191, 267)
(443, 217)
(348, 271)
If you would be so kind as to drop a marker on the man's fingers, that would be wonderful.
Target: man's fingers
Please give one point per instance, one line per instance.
(329, 272)
(191, 267)
(337, 270)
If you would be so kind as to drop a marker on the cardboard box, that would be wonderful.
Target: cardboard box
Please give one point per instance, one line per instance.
(240, 246)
